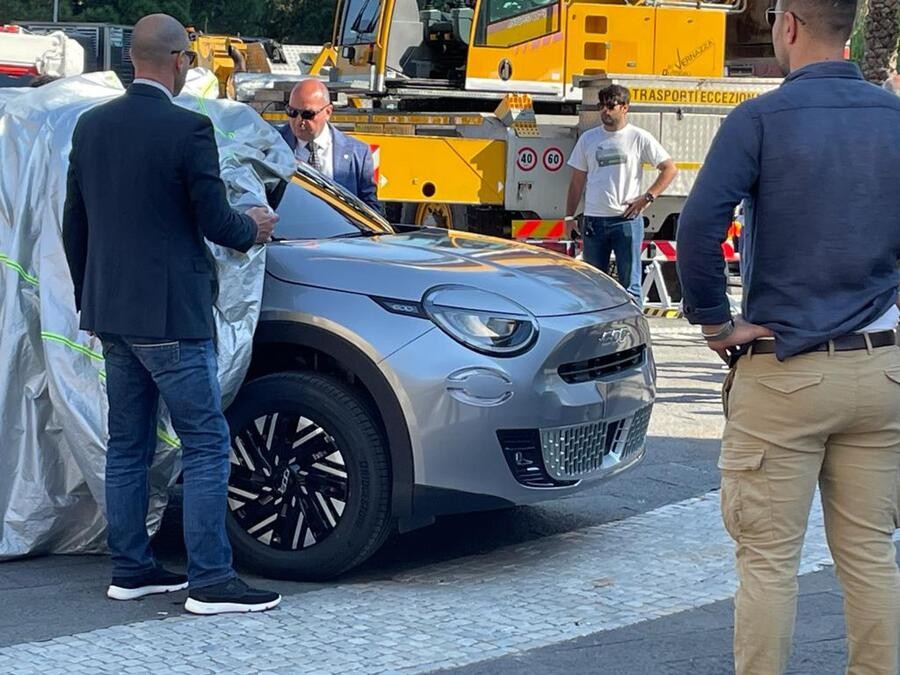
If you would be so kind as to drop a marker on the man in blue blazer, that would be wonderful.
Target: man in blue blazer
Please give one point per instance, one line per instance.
(317, 143)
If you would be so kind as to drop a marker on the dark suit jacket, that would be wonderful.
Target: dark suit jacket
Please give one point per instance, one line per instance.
(143, 191)
(352, 162)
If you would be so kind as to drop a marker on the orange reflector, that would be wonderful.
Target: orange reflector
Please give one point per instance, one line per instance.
(538, 229)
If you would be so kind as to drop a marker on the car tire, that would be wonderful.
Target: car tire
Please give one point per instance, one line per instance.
(296, 477)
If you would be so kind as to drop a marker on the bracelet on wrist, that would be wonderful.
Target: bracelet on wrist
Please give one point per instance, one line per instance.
(724, 331)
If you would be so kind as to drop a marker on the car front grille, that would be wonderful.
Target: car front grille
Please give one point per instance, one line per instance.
(603, 366)
(522, 450)
(575, 452)
(637, 433)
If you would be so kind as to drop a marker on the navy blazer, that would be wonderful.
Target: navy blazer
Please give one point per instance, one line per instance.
(352, 162)
(143, 191)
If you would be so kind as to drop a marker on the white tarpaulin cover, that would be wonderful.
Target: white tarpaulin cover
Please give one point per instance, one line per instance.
(52, 392)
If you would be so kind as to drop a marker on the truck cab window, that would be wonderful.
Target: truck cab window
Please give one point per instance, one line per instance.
(503, 23)
(359, 22)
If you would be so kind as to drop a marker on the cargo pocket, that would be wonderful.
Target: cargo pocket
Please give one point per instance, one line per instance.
(746, 502)
(790, 383)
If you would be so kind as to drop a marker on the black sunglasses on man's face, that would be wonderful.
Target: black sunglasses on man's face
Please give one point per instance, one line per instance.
(192, 55)
(772, 14)
(307, 115)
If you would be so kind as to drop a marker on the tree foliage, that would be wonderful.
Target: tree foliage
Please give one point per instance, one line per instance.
(289, 21)
(300, 21)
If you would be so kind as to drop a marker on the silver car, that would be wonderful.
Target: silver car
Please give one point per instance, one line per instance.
(402, 373)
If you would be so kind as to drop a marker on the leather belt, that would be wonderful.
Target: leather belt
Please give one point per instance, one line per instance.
(844, 343)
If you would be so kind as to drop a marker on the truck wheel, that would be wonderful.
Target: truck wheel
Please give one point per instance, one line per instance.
(309, 492)
(436, 214)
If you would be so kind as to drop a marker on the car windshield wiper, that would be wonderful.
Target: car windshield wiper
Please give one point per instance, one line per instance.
(361, 233)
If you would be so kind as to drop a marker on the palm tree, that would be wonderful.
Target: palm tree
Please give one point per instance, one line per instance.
(882, 28)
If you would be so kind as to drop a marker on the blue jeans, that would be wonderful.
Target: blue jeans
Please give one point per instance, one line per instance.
(184, 374)
(622, 235)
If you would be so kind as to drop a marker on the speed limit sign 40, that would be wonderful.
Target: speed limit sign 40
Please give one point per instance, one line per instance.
(526, 159)
(553, 159)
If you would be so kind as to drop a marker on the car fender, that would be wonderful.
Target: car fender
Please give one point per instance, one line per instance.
(298, 329)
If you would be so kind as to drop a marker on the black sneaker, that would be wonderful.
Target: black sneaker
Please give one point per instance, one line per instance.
(157, 581)
(231, 596)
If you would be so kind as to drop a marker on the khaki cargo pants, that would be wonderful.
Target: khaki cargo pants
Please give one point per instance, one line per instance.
(831, 419)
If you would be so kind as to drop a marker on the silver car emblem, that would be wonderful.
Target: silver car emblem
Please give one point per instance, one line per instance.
(613, 336)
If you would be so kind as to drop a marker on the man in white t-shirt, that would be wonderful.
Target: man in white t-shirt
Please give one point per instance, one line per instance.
(608, 161)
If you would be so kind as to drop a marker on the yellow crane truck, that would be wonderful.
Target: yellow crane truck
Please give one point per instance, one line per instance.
(472, 108)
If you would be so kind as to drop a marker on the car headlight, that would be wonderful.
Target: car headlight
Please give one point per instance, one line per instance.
(480, 320)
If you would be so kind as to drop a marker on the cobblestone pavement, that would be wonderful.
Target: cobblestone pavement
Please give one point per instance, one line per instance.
(468, 610)
(694, 642)
(645, 549)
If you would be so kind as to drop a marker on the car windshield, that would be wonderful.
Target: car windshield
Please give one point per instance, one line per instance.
(305, 214)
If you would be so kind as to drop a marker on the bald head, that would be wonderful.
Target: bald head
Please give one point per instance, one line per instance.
(311, 89)
(160, 50)
(154, 39)
(312, 102)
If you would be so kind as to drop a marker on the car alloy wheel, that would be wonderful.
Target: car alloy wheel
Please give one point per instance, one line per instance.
(289, 483)
(309, 495)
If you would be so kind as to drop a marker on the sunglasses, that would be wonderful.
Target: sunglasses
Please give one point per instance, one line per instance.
(772, 14)
(611, 105)
(192, 55)
(307, 115)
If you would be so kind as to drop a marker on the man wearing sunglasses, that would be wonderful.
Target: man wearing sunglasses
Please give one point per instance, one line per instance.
(813, 395)
(143, 192)
(607, 170)
(317, 143)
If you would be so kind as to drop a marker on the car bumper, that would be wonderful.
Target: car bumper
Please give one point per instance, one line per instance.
(493, 431)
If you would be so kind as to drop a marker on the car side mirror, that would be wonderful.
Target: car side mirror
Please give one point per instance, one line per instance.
(348, 53)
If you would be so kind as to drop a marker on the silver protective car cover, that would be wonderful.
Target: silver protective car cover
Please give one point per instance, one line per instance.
(52, 393)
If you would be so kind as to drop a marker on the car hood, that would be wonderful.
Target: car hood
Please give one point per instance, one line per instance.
(406, 265)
